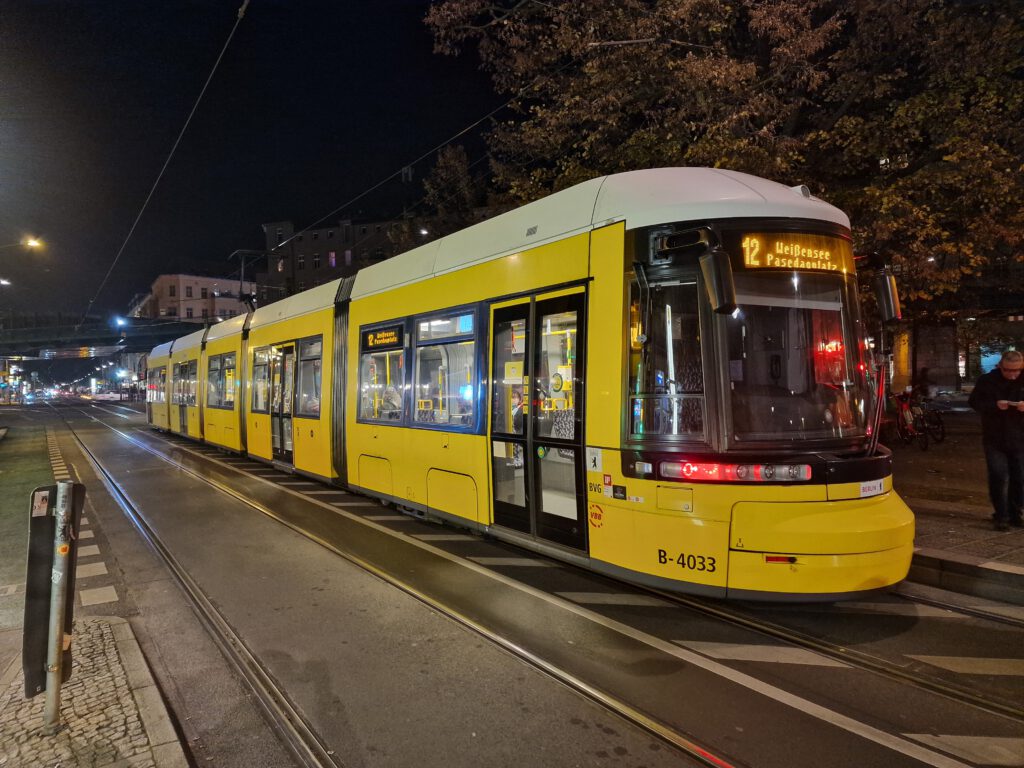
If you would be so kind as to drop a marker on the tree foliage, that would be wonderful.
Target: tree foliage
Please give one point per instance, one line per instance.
(906, 113)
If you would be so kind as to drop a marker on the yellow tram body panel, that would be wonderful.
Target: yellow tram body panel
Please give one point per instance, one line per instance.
(158, 382)
(719, 535)
(191, 350)
(311, 435)
(437, 469)
(222, 425)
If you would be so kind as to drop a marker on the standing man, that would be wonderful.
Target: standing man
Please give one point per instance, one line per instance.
(999, 397)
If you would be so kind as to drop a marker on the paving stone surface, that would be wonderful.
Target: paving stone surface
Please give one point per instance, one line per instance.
(100, 716)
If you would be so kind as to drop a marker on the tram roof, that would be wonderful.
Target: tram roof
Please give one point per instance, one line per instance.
(310, 300)
(226, 328)
(640, 198)
(161, 350)
(192, 340)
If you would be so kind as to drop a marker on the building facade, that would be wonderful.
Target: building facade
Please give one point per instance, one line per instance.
(313, 257)
(192, 298)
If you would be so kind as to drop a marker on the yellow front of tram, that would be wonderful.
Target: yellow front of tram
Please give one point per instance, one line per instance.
(746, 468)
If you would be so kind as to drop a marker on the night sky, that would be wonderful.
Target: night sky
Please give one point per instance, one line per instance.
(313, 103)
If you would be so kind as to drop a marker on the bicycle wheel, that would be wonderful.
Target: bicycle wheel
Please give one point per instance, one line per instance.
(935, 425)
(903, 429)
(921, 433)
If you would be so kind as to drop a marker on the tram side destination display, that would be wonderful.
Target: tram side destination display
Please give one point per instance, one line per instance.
(389, 337)
(797, 251)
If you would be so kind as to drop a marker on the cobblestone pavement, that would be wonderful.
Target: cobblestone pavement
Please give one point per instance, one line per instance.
(111, 712)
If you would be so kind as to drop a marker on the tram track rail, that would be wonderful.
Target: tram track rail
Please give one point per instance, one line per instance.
(851, 656)
(297, 734)
(718, 611)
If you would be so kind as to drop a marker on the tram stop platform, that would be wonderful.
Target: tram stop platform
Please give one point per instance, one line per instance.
(114, 713)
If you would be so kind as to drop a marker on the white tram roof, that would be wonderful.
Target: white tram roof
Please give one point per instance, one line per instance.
(161, 350)
(640, 198)
(226, 328)
(187, 342)
(310, 300)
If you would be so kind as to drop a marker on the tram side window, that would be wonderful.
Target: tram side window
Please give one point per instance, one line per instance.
(176, 385)
(157, 385)
(310, 355)
(220, 392)
(445, 371)
(215, 384)
(381, 385)
(193, 382)
(261, 381)
(666, 370)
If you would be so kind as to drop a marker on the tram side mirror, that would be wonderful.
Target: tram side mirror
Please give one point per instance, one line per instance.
(886, 295)
(717, 272)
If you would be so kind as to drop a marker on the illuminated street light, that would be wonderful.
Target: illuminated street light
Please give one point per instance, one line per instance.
(28, 242)
(4, 281)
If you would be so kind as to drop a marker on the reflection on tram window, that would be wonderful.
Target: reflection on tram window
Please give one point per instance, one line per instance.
(508, 408)
(666, 378)
(310, 353)
(261, 380)
(220, 381)
(382, 385)
(795, 365)
(444, 383)
(554, 393)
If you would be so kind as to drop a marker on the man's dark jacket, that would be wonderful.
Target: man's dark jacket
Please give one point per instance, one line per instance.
(1000, 429)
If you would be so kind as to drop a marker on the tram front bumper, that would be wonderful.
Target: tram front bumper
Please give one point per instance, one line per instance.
(819, 549)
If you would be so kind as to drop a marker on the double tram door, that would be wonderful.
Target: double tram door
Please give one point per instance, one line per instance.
(179, 387)
(282, 397)
(537, 402)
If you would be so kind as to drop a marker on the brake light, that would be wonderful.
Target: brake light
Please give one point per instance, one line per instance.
(717, 472)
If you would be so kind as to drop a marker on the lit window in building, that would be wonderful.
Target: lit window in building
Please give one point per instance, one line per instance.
(332, 258)
(280, 265)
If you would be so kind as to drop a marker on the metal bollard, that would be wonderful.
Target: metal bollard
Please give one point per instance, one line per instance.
(58, 600)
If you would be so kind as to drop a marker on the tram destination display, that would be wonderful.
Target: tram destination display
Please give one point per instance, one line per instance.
(799, 251)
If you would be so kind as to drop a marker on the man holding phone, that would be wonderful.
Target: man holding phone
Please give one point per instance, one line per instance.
(999, 397)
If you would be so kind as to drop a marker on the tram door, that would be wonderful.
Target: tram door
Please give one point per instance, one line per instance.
(537, 417)
(282, 396)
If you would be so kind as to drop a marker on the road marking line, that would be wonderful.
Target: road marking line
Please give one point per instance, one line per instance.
(88, 551)
(86, 534)
(91, 569)
(983, 750)
(613, 598)
(775, 654)
(10, 589)
(527, 562)
(900, 609)
(969, 665)
(98, 595)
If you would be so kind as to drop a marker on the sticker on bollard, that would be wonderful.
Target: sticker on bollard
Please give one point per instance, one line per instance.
(45, 544)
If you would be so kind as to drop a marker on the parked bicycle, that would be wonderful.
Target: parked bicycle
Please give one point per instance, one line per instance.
(933, 423)
(910, 421)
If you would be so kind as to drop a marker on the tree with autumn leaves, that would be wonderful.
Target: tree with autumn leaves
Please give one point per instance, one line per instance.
(905, 113)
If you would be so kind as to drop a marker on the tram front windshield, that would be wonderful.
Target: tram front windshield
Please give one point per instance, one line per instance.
(794, 366)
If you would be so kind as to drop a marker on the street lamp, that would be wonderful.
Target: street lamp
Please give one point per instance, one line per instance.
(28, 242)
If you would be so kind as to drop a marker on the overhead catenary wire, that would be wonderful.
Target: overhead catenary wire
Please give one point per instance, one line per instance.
(241, 13)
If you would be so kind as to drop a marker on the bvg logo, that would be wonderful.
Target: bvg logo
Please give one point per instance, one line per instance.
(596, 515)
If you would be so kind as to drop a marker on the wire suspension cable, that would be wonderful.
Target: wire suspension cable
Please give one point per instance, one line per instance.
(167, 162)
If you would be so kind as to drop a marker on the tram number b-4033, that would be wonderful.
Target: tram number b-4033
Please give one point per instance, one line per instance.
(688, 562)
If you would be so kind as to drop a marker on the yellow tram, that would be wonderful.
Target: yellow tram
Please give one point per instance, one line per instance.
(661, 375)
